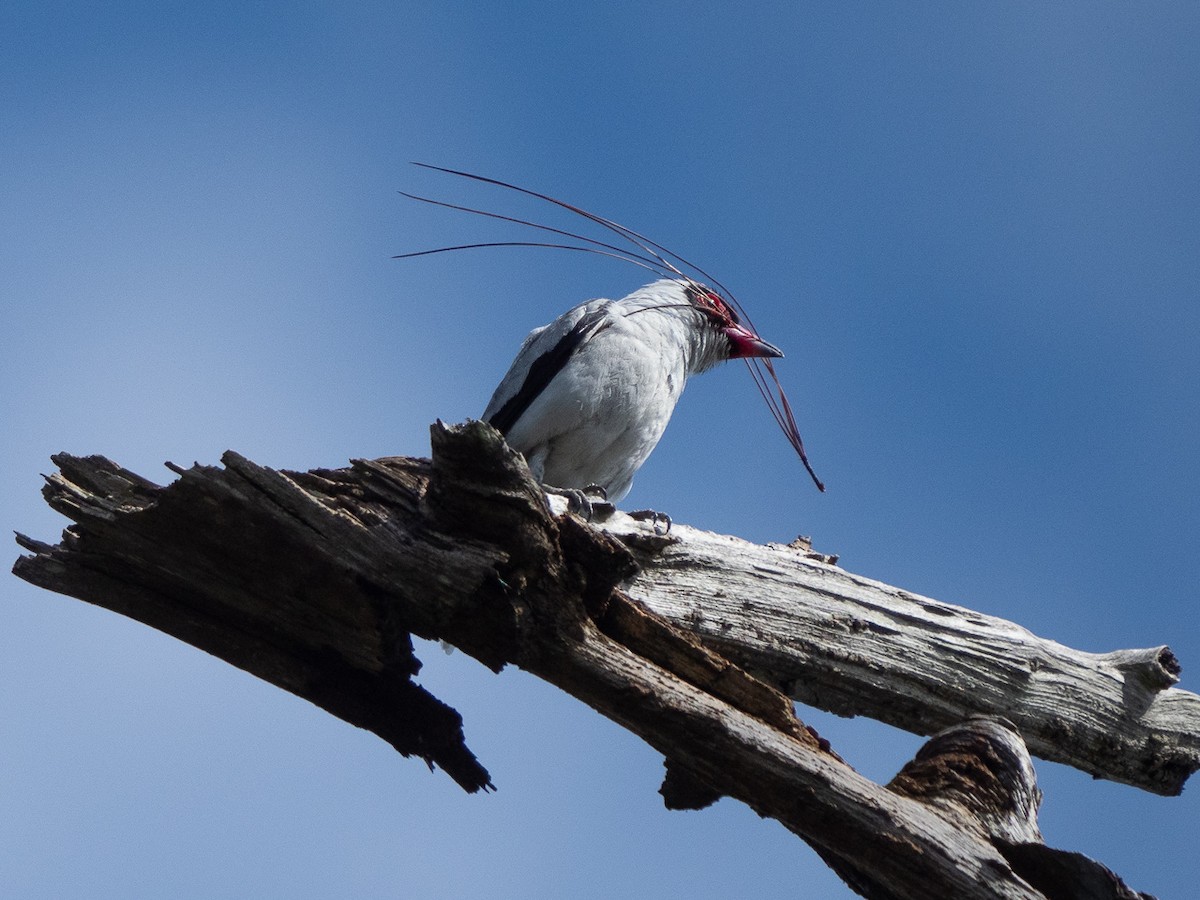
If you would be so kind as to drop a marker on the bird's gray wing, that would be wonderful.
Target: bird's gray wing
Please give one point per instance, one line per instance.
(541, 357)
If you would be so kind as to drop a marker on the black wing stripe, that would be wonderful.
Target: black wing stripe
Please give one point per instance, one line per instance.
(544, 368)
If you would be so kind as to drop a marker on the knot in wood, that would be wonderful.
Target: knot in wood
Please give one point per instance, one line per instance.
(982, 767)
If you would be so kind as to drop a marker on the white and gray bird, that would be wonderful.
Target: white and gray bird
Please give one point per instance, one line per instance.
(589, 395)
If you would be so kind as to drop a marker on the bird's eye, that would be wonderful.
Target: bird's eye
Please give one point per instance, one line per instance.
(710, 303)
(722, 309)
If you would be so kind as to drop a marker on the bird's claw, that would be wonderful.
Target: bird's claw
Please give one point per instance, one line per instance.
(597, 491)
(590, 503)
(660, 522)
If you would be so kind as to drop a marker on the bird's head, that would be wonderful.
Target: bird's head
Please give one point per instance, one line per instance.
(718, 314)
(713, 331)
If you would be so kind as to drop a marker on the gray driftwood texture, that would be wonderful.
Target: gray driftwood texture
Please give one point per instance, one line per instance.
(315, 581)
(853, 646)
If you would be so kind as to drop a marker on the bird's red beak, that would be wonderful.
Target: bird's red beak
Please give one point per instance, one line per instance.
(746, 343)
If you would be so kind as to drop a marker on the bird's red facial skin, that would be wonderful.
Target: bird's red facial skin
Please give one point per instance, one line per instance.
(743, 343)
(711, 303)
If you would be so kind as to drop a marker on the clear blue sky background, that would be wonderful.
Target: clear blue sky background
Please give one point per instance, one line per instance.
(974, 228)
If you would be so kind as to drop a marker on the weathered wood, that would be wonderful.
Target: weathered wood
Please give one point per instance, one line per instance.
(243, 564)
(314, 581)
(979, 773)
(858, 647)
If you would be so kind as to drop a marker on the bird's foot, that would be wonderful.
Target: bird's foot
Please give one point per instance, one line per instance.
(590, 503)
(660, 522)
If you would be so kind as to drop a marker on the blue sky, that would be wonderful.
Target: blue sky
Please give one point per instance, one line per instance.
(974, 229)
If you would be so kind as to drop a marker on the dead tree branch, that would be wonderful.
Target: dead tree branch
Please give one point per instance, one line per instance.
(315, 582)
(853, 646)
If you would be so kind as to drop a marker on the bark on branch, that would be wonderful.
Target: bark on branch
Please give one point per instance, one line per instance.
(854, 646)
(315, 581)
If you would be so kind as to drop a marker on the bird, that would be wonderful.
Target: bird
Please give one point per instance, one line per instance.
(589, 395)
